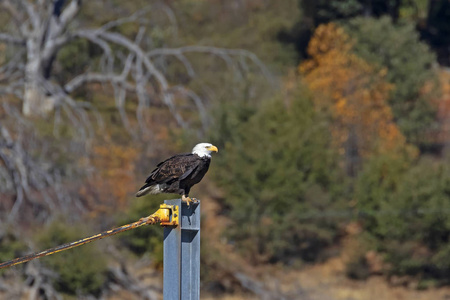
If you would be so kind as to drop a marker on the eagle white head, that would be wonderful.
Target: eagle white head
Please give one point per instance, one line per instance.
(204, 149)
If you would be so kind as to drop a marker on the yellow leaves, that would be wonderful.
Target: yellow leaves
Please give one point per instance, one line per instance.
(352, 90)
(328, 38)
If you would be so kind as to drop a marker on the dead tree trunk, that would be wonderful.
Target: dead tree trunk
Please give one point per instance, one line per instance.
(41, 28)
(44, 38)
(35, 100)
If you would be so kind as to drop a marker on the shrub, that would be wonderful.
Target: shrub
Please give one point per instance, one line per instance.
(357, 268)
(81, 270)
(147, 239)
(12, 246)
(405, 208)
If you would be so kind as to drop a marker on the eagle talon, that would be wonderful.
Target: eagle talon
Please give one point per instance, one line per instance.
(187, 200)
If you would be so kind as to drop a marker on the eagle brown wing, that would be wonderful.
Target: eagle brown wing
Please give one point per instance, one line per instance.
(173, 168)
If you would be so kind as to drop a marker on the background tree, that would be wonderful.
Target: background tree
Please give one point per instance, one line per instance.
(354, 93)
(126, 56)
(61, 60)
(321, 165)
(410, 67)
(404, 207)
(31, 186)
(428, 16)
(327, 11)
(436, 29)
(277, 192)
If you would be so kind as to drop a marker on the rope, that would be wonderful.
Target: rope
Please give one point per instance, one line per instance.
(162, 216)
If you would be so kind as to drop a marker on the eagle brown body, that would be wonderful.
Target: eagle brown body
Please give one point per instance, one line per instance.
(179, 173)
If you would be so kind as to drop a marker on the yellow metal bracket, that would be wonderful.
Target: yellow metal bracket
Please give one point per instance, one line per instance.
(171, 215)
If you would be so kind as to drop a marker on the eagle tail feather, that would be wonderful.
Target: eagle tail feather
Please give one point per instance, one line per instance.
(149, 189)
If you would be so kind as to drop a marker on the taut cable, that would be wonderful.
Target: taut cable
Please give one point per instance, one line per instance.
(167, 215)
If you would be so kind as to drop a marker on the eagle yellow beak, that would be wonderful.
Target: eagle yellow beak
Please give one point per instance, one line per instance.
(213, 148)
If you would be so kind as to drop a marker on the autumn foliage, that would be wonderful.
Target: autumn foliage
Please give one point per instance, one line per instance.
(346, 151)
(353, 92)
(444, 107)
(115, 181)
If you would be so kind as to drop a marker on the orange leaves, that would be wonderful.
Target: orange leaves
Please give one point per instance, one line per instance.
(115, 181)
(443, 105)
(328, 38)
(352, 91)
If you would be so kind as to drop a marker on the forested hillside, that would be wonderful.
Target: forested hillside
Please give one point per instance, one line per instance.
(331, 119)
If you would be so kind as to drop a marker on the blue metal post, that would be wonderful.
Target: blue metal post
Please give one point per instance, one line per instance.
(182, 254)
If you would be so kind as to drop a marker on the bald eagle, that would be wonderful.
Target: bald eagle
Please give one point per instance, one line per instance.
(179, 173)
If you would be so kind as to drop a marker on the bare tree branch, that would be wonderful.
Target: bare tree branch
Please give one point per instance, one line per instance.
(130, 19)
(197, 101)
(27, 174)
(126, 279)
(82, 79)
(171, 16)
(31, 11)
(13, 65)
(160, 78)
(16, 14)
(220, 52)
(14, 88)
(124, 64)
(4, 37)
(258, 288)
(69, 13)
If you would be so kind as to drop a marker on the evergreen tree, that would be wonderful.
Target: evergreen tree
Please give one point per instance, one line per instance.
(409, 67)
(404, 207)
(281, 175)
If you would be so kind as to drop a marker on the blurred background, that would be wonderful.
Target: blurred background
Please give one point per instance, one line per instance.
(332, 120)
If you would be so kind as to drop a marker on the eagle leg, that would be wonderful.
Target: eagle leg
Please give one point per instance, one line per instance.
(187, 200)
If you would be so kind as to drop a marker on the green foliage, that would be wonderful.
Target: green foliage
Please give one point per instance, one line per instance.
(11, 246)
(254, 27)
(415, 10)
(317, 12)
(324, 11)
(146, 239)
(407, 209)
(409, 67)
(441, 262)
(81, 270)
(280, 176)
(376, 185)
(228, 118)
(74, 58)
